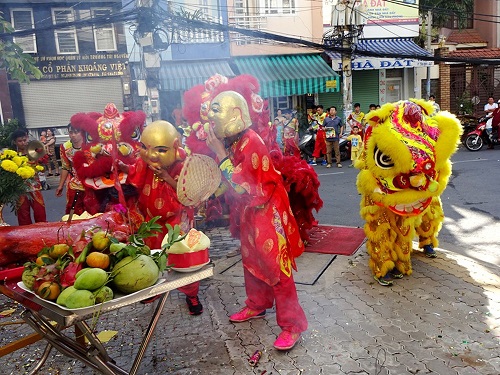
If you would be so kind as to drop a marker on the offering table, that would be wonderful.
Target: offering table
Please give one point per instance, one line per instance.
(50, 320)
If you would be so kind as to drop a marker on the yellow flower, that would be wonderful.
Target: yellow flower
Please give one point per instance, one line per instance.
(18, 160)
(39, 168)
(26, 172)
(9, 154)
(9, 165)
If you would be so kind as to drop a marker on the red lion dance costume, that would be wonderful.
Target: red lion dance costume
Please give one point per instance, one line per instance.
(109, 136)
(300, 180)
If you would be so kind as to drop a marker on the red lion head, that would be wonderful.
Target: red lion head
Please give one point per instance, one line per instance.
(109, 136)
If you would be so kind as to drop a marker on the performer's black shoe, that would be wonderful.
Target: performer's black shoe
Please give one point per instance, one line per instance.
(430, 252)
(194, 305)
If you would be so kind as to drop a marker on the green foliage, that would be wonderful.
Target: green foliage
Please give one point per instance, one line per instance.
(174, 235)
(18, 64)
(136, 244)
(444, 9)
(465, 104)
(6, 130)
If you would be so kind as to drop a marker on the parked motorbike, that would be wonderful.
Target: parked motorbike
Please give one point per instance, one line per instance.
(475, 139)
(469, 123)
(306, 146)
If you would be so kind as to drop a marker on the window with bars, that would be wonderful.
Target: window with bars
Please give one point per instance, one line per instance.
(454, 23)
(22, 19)
(66, 40)
(104, 33)
(278, 6)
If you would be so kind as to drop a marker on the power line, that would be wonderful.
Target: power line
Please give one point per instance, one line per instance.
(169, 20)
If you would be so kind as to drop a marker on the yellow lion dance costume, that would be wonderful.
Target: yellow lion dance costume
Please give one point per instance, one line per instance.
(404, 168)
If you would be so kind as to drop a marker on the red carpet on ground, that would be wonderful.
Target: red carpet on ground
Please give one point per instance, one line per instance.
(333, 239)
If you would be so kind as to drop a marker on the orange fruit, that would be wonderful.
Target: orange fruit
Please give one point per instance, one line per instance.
(49, 290)
(98, 260)
(39, 261)
(58, 250)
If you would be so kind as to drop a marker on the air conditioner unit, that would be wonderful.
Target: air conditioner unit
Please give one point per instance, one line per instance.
(142, 88)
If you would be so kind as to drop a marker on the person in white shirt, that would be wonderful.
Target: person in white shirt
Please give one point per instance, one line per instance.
(490, 106)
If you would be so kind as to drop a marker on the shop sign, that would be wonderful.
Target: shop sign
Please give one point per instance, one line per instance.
(381, 63)
(82, 66)
(331, 84)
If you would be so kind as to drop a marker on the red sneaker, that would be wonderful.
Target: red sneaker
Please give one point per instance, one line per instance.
(286, 340)
(246, 314)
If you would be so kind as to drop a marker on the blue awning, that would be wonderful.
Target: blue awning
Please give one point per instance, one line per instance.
(384, 54)
(182, 75)
(286, 75)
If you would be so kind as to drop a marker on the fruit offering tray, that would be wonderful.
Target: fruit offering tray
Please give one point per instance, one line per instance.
(16, 290)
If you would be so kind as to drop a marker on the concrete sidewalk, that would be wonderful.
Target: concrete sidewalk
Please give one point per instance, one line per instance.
(444, 319)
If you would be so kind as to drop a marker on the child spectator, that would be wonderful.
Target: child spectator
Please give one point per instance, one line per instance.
(356, 117)
(356, 144)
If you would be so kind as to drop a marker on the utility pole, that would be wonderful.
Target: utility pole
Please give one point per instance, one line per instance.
(429, 31)
(347, 21)
(347, 77)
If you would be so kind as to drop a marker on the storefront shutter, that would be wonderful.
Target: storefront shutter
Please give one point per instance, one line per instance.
(53, 102)
(365, 88)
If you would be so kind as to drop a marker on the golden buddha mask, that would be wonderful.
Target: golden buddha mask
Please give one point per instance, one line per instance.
(229, 114)
(160, 143)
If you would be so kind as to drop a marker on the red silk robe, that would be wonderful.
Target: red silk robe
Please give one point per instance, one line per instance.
(269, 234)
(158, 198)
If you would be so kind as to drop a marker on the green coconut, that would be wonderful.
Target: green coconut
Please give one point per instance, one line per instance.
(132, 274)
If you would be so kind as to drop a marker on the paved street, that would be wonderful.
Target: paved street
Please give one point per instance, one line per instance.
(444, 319)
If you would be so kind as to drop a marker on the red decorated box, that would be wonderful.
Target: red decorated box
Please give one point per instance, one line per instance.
(192, 251)
(188, 260)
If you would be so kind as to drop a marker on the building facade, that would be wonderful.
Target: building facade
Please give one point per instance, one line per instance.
(463, 87)
(84, 61)
(385, 59)
(292, 75)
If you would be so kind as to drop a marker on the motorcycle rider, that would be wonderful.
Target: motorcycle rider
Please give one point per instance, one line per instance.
(490, 107)
(492, 126)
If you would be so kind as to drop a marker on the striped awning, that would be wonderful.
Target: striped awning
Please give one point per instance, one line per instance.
(181, 76)
(384, 54)
(287, 75)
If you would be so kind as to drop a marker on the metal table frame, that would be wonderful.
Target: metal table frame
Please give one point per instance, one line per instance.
(39, 315)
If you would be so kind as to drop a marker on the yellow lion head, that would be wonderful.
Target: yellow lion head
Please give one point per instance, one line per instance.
(406, 156)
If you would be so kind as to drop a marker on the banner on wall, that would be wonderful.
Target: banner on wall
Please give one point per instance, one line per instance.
(384, 19)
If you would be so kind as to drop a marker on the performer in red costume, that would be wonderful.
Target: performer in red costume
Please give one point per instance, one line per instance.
(109, 136)
(33, 199)
(155, 175)
(270, 238)
(300, 179)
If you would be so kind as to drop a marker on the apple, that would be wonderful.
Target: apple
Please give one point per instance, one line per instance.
(100, 240)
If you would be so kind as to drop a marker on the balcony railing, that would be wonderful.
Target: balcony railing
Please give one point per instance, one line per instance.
(198, 35)
(258, 23)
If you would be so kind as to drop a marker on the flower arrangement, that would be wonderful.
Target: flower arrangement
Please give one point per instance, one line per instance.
(14, 171)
